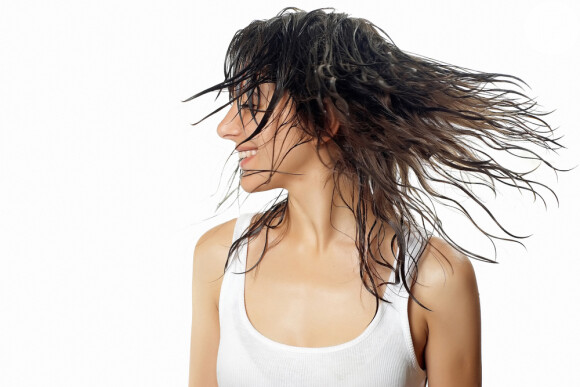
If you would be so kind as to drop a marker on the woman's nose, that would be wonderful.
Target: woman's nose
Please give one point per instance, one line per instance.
(230, 128)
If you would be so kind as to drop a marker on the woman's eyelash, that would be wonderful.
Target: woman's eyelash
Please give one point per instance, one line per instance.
(253, 107)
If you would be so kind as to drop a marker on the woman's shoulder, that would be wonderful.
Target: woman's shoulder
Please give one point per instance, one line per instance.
(446, 284)
(441, 266)
(210, 255)
(217, 237)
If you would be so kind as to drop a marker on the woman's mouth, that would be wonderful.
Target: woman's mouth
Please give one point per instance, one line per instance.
(246, 156)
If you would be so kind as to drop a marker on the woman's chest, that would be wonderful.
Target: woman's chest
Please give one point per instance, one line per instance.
(307, 301)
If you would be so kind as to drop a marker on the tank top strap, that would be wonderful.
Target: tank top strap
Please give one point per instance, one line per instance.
(242, 224)
(414, 239)
(239, 257)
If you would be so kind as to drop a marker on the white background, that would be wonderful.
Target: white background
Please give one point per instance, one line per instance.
(106, 186)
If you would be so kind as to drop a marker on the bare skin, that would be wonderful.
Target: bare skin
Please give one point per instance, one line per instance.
(289, 300)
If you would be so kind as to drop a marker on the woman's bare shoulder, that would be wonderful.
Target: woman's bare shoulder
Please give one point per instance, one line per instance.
(445, 277)
(210, 255)
(217, 237)
(442, 265)
(216, 242)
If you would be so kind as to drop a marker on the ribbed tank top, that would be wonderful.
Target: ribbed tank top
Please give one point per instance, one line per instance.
(382, 355)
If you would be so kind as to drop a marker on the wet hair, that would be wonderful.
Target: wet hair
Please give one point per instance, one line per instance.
(408, 125)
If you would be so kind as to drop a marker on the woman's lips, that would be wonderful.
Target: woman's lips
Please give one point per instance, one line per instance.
(245, 160)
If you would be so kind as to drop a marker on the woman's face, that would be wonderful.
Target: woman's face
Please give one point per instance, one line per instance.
(273, 145)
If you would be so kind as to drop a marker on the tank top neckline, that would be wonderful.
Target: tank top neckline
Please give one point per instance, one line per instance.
(286, 347)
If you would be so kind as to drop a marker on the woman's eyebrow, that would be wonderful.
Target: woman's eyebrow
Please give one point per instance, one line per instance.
(263, 92)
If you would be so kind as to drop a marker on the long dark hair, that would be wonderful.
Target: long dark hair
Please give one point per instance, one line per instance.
(407, 124)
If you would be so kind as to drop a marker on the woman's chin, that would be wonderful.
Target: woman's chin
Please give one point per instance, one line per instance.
(253, 182)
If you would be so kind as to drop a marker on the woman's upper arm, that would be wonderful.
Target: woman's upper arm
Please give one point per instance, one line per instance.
(208, 265)
(453, 350)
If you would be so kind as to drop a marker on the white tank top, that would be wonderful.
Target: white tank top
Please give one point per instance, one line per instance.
(382, 355)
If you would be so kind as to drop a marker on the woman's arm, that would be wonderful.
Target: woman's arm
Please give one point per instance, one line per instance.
(208, 264)
(453, 349)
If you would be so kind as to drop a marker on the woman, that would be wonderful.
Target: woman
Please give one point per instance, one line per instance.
(358, 132)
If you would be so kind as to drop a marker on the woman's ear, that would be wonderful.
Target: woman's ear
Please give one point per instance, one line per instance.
(331, 119)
